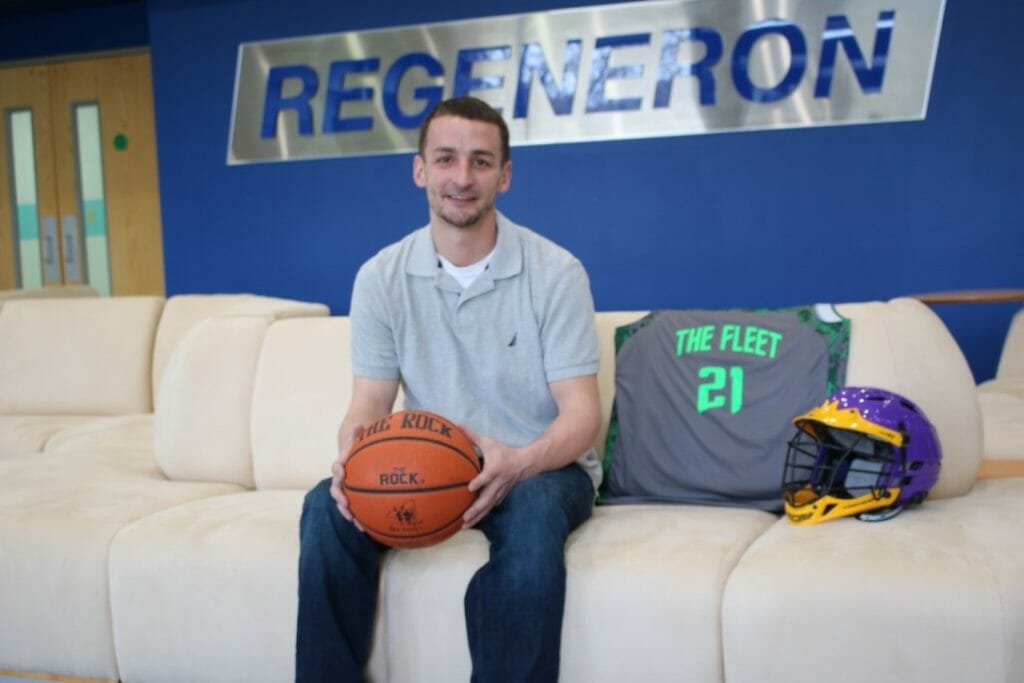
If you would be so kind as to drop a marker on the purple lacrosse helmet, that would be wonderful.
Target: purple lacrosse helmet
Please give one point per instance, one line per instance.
(864, 452)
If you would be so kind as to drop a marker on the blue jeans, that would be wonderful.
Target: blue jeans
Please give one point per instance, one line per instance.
(514, 603)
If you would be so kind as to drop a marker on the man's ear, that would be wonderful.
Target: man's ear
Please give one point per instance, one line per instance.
(418, 171)
(506, 177)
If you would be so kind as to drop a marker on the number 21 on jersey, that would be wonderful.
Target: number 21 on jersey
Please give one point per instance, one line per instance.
(723, 386)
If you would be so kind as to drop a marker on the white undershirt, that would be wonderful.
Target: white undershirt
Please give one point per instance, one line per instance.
(465, 275)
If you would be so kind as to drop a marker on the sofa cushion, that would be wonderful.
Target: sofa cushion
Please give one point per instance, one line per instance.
(642, 600)
(301, 393)
(183, 311)
(21, 434)
(58, 514)
(52, 292)
(203, 407)
(934, 594)
(903, 346)
(115, 433)
(1002, 408)
(85, 356)
(219, 577)
(1011, 359)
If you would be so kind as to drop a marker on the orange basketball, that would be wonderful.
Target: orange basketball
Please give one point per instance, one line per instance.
(406, 478)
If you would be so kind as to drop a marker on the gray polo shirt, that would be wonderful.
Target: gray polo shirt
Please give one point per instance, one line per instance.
(481, 356)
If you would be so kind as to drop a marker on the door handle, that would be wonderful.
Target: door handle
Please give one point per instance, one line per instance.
(51, 247)
(72, 248)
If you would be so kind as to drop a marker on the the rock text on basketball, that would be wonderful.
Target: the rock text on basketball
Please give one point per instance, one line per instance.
(399, 477)
(427, 423)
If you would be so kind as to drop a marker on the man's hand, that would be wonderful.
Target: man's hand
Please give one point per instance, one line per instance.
(503, 468)
(371, 400)
(345, 442)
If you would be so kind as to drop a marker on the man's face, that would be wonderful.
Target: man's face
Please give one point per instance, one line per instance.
(461, 170)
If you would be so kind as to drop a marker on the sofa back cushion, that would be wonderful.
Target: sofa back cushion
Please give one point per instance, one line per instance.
(183, 311)
(903, 346)
(52, 292)
(77, 356)
(204, 403)
(1011, 360)
(303, 385)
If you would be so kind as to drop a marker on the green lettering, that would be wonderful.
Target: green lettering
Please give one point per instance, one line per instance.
(710, 394)
(776, 337)
(705, 401)
(736, 394)
(730, 333)
(681, 336)
(750, 340)
(706, 333)
(694, 339)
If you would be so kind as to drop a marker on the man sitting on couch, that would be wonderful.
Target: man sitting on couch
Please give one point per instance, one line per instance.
(492, 326)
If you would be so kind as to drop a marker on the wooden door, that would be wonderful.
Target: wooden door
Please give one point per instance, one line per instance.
(96, 210)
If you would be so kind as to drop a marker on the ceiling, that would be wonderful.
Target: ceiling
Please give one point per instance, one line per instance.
(14, 7)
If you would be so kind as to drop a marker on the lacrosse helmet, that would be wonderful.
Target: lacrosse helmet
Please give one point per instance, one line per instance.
(864, 452)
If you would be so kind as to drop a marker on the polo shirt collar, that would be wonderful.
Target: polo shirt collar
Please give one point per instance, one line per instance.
(506, 262)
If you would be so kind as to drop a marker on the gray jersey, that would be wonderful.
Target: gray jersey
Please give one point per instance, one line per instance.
(704, 401)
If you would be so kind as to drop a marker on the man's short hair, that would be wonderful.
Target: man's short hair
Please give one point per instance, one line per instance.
(468, 108)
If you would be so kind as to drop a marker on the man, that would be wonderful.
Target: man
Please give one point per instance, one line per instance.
(492, 326)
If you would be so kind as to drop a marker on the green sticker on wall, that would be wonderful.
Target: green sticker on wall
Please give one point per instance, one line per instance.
(120, 142)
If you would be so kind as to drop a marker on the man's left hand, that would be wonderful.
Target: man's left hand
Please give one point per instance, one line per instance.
(503, 469)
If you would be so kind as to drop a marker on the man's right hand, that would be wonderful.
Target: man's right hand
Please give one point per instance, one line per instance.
(345, 442)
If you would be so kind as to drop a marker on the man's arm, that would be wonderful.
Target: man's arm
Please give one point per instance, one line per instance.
(371, 399)
(566, 439)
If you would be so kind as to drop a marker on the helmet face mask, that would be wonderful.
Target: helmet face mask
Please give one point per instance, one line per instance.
(864, 452)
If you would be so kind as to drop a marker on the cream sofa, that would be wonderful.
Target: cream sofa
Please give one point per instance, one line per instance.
(170, 554)
(1002, 405)
(78, 382)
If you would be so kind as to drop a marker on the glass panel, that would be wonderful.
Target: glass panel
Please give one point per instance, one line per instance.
(26, 211)
(91, 197)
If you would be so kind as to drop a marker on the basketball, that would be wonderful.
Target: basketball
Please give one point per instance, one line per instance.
(407, 476)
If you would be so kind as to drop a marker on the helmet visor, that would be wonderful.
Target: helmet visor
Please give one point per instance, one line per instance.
(846, 471)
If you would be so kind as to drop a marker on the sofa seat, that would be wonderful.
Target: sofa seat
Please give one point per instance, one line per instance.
(32, 433)
(644, 585)
(58, 515)
(934, 594)
(117, 433)
(225, 566)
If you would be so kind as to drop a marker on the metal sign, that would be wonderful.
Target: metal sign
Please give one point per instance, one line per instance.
(635, 70)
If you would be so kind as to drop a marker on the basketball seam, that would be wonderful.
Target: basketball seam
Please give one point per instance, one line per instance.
(417, 438)
(429, 489)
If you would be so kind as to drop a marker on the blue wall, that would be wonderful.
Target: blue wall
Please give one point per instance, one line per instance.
(41, 33)
(770, 218)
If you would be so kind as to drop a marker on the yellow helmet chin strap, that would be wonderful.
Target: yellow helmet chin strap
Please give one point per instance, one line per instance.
(803, 513)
